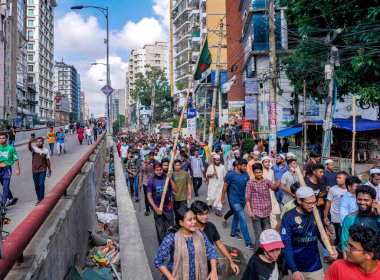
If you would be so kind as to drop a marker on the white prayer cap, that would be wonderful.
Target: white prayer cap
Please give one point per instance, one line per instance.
(304, 192)
(289, 155)
(329, 161)
(216, 156)
(374, 171)
(264, 158)
(256, 152)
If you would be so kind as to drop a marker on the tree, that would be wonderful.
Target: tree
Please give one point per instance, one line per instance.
(143, 87)
(350, 25)
(118, 123)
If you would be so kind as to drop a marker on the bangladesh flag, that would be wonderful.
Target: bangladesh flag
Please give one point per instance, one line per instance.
(204, 61)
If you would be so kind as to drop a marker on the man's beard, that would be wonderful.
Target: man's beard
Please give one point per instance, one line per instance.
(217, 164)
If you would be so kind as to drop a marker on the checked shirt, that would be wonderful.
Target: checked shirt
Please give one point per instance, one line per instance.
(258, 196)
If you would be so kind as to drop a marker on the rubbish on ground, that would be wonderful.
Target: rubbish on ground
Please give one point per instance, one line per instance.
(107, 254)
(97, 239)
(105, 217)
(75, 273)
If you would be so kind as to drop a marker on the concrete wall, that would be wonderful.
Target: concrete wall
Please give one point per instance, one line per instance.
(132, 253)
(63, 239)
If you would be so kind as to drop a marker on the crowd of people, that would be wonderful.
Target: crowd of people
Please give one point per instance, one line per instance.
(261, 188)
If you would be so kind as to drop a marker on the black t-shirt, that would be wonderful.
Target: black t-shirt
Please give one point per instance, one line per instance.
(317, 188)
(257, 269)
(211, 232)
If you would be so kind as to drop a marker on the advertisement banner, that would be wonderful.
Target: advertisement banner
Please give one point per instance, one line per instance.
(234, 110)
(251, 107)
(273, 115)
(251, 86)
(246, 126)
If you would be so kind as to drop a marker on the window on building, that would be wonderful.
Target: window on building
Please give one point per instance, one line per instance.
(31, 2)
(30, 22)
(30, 79)
(30, 12)
(30, 68)
(30, 57)
(30, 46)
(30, 34)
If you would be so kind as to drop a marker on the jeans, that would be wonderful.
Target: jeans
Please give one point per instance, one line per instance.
(95, 137)
(259, 225)
(88, 139)
(11, 142)
(239, 218)
(60, 147)
(39, 184)
(147, 205)
(134, 186)
(5, 181)
(197, 184)
(51, 146)
(163, 223)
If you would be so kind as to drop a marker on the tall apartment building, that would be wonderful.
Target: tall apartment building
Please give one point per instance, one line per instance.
(16, 101)
(192, 22)
(67, 82)
(122, 102)
(3, 14)
(154, 55)
(86, 111)
(115, 104)
(82, 103)
(40, 46)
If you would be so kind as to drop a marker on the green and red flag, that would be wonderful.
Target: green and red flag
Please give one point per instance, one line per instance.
(204, 61)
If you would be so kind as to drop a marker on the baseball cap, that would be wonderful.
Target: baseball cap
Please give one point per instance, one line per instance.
(270, 240)
(304, 192)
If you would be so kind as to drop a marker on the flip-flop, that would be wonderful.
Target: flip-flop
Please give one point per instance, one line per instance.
(224, 224)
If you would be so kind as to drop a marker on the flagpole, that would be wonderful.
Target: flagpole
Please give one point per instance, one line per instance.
(173, 152)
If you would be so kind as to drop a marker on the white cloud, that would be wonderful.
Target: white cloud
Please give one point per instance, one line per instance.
(76, 36)
(161, 8)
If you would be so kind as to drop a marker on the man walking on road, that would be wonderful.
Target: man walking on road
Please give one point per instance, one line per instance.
(60, 141)
(8, 157)
(146, 172)
(183, 182)
(300, 235)
(235, 182)
(164, 218)
(52, 137)
(41, 167)
(11, 136)
(88, 133)
(196, 171)
(215, 174)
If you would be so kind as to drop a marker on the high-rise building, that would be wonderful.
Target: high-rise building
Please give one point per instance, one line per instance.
(17, 102)
(154, 55)
(67, 82)
(82, 104)
(192, 22)
(86, 111)
(40, 54)
(115, 104)
(3, 14)
(122, 102)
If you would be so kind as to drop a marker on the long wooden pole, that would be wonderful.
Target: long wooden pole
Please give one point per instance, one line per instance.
(317, 218)
(178, 130)
(304, 122)
(353, 135)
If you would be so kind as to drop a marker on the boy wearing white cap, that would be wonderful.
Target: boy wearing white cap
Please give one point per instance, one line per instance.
(300, 235)
(374, 181)
(263, 264)
(329, 175)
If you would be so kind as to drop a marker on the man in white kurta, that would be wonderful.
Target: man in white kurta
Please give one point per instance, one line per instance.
(215, 174)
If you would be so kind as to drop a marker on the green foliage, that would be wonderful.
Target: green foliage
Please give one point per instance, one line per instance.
(143, 92)
(247, 145)
(119, 123)
(175, 122)
(355, 23)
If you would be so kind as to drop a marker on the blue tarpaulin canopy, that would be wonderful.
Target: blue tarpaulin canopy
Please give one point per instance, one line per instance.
(346, 124)
(289, 131)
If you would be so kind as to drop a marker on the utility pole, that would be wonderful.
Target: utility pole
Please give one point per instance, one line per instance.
(152, 104)
(216, 87)
(304, 121)
(272, 82)
(353, 146)
(327, 123)
(171, 50)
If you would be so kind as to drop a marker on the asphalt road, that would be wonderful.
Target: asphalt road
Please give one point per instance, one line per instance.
(23, 187)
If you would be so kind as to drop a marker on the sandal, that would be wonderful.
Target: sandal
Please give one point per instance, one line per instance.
(224, 223)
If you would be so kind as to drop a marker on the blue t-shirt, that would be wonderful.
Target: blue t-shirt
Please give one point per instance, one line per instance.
(237, 183)
(278, 172)
(300, 236)
(61, 137)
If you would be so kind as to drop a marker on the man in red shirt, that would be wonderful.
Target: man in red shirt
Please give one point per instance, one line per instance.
(362, 251)
(258, 200)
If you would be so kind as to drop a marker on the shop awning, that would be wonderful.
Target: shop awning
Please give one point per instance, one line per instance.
(289, 131)
(346, 124)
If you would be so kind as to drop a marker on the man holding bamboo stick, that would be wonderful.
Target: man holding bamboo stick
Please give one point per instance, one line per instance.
(300, 235)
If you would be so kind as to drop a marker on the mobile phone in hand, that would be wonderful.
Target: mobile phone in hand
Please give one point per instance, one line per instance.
(33, 135)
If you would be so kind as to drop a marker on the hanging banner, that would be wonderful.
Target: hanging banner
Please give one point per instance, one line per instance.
(251, 86)
(251, 107)
(234, 112)
(246, 126)
(191, 122)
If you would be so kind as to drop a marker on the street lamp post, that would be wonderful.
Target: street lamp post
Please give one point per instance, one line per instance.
(105, 13)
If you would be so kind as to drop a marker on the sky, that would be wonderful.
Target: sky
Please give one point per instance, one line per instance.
(79, 39)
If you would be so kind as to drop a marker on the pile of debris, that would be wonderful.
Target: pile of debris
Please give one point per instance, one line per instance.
(103, 259)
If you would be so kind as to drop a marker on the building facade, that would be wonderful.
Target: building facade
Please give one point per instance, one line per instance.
(122, 102)
(115, 104)
(67, 82)
(61, 109)
(82, 102)
(192, 22)
(40, 55)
